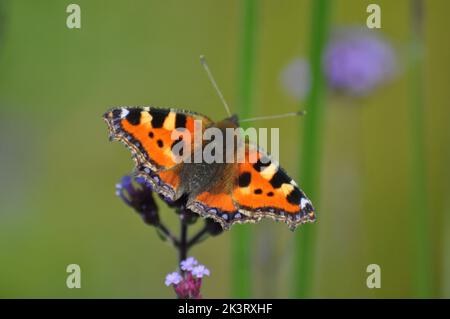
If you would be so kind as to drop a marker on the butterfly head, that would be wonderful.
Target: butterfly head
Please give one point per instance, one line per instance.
(233, 120)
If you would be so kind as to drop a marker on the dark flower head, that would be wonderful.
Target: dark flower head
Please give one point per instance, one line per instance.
(214, 228)
(358, 60)
(139, 195)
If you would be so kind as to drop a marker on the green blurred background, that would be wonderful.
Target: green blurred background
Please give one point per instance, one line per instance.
(58, 170)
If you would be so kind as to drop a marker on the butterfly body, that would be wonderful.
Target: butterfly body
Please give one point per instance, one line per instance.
(228, 191)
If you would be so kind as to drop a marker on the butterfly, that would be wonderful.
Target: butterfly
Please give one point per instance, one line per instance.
(229, 193)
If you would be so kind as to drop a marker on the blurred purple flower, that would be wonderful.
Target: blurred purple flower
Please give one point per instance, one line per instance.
(358, 60)
(355, 61)
(139, 197)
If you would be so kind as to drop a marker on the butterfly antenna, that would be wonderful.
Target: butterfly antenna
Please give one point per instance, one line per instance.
(270, 117)
(213, 82)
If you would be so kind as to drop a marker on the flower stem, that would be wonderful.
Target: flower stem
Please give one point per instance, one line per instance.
(312, 145)
(418, 193)
(183, 247)
(168, 235)
(241, 241)
(196, 239)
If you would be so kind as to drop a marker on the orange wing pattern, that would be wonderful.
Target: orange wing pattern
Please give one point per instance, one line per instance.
(258, 190)
(230, 193)
(263, 189)
(147, 132)
(217, 202)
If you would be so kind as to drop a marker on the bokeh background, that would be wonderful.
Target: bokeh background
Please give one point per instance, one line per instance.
(58, 170)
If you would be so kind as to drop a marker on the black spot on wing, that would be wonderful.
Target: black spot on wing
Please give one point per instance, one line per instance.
(261, 164)
(160, 143)
(134, 116)
(158, 117)
(180, 120)
(245, 179)
(294, 196)
(258, 191)
(279, 178)
(179, 140)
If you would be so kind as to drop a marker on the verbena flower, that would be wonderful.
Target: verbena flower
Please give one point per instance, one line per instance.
(188, 264)
(200, 271)
(189, 284)
(139, 195)
(358, 60)
(173, 278)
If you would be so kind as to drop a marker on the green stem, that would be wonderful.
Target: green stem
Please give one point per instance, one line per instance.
(241, 240)
(183, 247)
(419, 199)
(312, 145)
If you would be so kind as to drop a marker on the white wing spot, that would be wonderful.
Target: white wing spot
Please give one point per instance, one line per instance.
(303, 203)
(123, 113)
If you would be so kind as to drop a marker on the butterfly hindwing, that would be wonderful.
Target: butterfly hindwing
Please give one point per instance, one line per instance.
(216, 200)
(263, 189)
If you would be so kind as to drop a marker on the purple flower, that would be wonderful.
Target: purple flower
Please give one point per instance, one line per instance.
(200, 271)
(173, 278)
(188, 285)
(139, 197)
(358, 60)
(188, 264)
(355, 62)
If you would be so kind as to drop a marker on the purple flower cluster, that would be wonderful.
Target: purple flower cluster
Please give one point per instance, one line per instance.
(139, 195)
(355, 62)
(358, 60)
(188, 283)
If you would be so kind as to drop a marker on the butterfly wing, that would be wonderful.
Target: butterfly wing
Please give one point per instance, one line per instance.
(263, 189)
(147, 132)
(216, 201)
(250, 191)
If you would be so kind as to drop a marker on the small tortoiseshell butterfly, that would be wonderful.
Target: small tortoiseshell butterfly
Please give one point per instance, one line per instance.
(227, 192)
